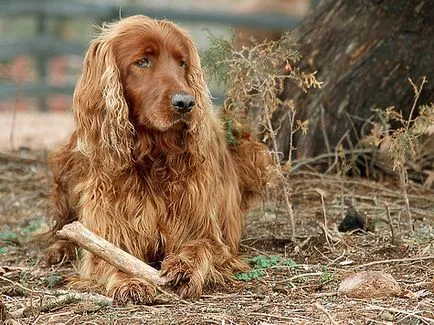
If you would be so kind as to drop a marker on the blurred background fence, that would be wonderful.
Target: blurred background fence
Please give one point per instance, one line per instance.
(42, 42)
(47, 38)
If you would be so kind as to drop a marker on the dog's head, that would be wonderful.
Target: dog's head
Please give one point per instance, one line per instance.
(139, 73)
(159, 69)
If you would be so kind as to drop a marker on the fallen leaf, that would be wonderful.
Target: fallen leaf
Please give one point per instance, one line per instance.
(408, 294)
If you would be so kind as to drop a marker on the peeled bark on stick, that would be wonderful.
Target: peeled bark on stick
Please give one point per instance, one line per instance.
(100, 247)
(364, 52)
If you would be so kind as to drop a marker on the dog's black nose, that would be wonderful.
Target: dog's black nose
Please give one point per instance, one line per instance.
(182, 102)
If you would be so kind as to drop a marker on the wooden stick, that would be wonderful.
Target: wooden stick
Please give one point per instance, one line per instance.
(325, 312)
(97, 245)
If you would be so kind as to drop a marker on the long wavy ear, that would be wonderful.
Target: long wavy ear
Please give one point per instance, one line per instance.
(196, 78)
(197, 82)
(104, 132)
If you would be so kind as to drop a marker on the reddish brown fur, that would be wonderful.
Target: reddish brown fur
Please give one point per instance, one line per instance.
(166, 188)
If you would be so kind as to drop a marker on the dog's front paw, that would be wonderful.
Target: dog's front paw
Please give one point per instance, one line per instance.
(60, 251)
(132, 290)
(182, 277)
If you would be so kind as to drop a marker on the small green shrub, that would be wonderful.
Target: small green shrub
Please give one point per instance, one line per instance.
(259, 265)
(8, 236)
(53, 280)
(249, 275)
(327, 276)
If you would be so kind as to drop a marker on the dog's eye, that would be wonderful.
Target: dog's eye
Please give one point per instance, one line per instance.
(144, 63)
(183, 65)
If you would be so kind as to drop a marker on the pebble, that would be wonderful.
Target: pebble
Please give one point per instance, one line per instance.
(369, 284)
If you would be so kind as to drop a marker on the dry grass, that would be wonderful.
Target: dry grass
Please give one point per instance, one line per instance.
(303, 291)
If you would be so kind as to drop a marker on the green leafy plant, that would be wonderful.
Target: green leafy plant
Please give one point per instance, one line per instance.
(265, 262)
(53, 280)
(215, 56)
(259, 265)
(25, 277)
(327, 276)
(229, 129)
(249, 275)
(8, 236)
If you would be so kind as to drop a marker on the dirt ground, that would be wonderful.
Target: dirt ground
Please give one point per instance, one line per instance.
(32, 129)
(299, 286)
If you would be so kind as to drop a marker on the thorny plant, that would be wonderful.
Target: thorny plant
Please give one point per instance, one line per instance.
(255, 78)
(403, 143)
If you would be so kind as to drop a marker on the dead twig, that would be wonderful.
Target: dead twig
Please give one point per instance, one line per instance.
(411, 259)
(72, 297)
(298, 276)
(30, 291)
(255, 250)
(298, 163)
(320, 308)
(323, 226)
(389, 218)
(273, 316)
(14, 116)
(64, 299)
(400, 311)
(16, 158)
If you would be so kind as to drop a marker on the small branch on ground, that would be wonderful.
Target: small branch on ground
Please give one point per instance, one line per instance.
(298, 276)
(320, 308)
(323, 226)
(390, 222)
(426, 320)
(397, 260)
(71, 297)
(25, 291)
(65, 299)
(100, 247)
(298, 163)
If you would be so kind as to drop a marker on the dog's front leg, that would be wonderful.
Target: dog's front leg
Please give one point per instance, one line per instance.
(189, 267)
(122, 287)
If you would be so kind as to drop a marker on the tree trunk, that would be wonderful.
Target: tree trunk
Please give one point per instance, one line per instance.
(364, 52)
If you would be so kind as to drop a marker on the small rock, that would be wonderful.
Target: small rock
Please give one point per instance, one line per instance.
(369, 284)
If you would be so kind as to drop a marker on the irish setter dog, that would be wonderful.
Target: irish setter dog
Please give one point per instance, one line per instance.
(148, 166)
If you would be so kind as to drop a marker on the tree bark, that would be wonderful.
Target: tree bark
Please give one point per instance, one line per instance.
(364, 52)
